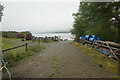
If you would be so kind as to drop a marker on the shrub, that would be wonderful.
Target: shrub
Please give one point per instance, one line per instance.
(15, 55)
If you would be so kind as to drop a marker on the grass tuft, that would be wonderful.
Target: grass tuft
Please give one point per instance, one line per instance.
(99, 58)
(16, 55)
(52, 74)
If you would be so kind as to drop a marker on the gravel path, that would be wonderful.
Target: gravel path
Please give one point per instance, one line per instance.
(59, 60)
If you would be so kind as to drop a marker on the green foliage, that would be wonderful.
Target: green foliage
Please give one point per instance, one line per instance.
(6, 44)
(51, 74)
(108, 63)
(16, 55)
(48, 41)
(35, 48)
(98, 18)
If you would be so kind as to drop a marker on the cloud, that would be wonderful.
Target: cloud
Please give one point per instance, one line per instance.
(39, 0)
(39, 16)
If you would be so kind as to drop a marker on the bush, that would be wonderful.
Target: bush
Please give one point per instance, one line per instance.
(16, 55)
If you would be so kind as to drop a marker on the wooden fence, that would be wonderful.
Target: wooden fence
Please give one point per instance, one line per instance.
(25, 44)
(5, 63)
(112, 49)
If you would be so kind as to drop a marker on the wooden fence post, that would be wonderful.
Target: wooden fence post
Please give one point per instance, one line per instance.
(113, 52)
(38, 42)
(26, 46)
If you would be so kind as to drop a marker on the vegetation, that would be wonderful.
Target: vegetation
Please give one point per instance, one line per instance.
(51, 74)
(56, 66)
(13, 34)
(98, 18)
(48, 41)
(6, 44)
(98, 58)
(16, 55)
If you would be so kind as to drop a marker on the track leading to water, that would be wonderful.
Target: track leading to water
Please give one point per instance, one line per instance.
(59, 60)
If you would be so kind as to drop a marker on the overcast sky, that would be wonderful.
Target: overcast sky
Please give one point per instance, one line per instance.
(39, 16)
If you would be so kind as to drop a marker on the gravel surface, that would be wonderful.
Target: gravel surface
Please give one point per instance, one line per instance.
(59, 60)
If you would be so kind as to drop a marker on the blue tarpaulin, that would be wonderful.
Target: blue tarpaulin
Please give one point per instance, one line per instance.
(100, 39)
(82, 37)
(95, 37)
(91, 39)
(88, 36)
(106, 51)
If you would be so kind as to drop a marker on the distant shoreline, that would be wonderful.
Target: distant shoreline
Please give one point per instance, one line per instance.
(37, 32)
(66, 35)
(51, 32)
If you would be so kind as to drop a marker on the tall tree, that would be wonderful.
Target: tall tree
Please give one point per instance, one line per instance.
(98, 18)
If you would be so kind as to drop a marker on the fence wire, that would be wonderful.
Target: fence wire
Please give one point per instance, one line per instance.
(4, 65)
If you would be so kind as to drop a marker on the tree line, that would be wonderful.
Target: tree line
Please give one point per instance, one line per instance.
(98, 18)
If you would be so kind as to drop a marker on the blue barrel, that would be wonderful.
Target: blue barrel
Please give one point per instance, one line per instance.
(95, 37)
(91, 39)
(100, 39)
(82, 37)
(88, 36)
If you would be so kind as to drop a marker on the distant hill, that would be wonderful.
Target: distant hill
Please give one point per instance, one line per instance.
(55, 32)
(62, 32)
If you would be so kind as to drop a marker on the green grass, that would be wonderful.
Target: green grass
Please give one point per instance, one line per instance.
(56, 66)
(6, 44)
(52, 74)
(11, 42)
(48, 41)
(14, 56)
(99, 58)
(28, 41)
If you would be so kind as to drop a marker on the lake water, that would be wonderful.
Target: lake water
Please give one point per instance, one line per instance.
(61, 35)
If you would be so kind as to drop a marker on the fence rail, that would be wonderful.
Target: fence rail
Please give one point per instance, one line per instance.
(5, 63)
(25, 44)
(112, 49)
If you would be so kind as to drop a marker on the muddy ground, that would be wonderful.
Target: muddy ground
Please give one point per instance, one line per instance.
(59, 60)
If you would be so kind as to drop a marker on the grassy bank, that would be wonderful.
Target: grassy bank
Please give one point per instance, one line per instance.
(6, 43)
(16, 55)
(98, 58)
(48, 41)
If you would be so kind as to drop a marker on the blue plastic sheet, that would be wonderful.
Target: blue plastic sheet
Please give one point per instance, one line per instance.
(91, 39)
(95, 37)
(86, 44)
(88, 36)
(82, 37)
(100, 39)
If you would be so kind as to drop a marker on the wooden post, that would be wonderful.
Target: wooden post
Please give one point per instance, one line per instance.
(93, 44)
(113, 52)
(39, 42)
(26, 46)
